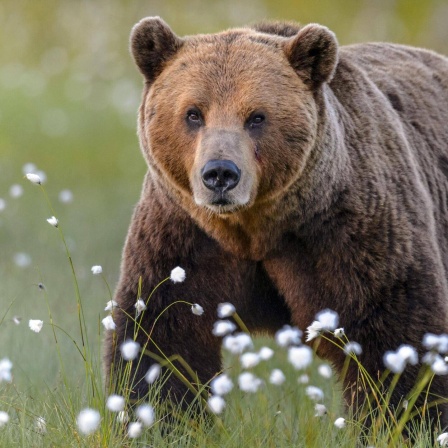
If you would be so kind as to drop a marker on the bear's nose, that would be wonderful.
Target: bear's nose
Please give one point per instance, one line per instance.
(220, 175)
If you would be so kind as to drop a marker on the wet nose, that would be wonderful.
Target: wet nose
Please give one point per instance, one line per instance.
(220, 175)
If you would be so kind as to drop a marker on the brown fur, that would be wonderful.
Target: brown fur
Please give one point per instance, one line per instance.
(342, 201)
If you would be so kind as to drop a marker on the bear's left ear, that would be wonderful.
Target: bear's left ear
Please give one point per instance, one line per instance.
(153, 43)
(313, 53)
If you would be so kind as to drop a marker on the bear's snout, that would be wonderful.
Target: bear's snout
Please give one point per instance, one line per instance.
(220, 175)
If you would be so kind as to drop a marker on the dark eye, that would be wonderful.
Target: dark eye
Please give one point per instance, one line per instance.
(194, 117)
(256, 120)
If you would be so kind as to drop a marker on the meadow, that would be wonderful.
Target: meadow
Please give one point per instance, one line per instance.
(69, 95)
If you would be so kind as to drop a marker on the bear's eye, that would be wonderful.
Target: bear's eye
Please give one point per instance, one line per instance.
(194, 117)
(255, 120)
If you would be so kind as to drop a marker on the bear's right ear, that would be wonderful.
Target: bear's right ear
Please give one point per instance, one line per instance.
(313, 54)
(152, 45)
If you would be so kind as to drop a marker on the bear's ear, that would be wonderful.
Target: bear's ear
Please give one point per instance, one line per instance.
(313, 53)
(152, 45)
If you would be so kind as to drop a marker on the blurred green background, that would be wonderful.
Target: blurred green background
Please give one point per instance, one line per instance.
(68, 99)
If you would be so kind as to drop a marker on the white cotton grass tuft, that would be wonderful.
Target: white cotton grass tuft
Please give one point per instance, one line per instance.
(40, 425)
(303, 379)
(436, 342)
(111, 305)
(34, 178)
(197, 309)
(329, 319)
(88, 420)
(145, 414)
(249, 360)
(277, 377)
(65, 196)
(408, 353)
(248, 382)
(265, 353)
(340, 423)
(5, 370)
(221, 385)
(139, 307)
(35, 325)
(287, 336)
(320, 409)
(177, 275)
(96, 270)
(439, 366)
(4, 418)
(109, 323)
(325, 371)
(223, 327)
(216, 404)
(53, 221)
(352, 348)
(16, 191)
(237, 343)
(135, 430)
(129, 350)
(339, 333)
(397, 361)
(300, 357)
(443, 439)
(153, 373)
(115, 403)
(22, 260)
(314, 393)
(225, 309)
(314, 331)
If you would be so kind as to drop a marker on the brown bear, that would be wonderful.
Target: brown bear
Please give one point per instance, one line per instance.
(288, 175)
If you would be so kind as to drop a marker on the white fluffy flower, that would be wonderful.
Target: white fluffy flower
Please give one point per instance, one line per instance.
(320, 409)
(236, 344)
(443, 439)
(216, 404)
(4, 418)
(300, 357)
(65, 196)
(96, 270)
(329, 319)
(248, 382)
(88, 420)
(352, 348)
(314, 393)
(197, 309)
(110, 305)
(16, 191)
(439, 367)
(225, 309)
(129, 350)
(408, 353)
(145, 413)
(339, 332)
(40, 425)
(277, 377)
(314, 330)
(35, 325)
(109, 323)
(139, 306)
(325, 371)
(135, 430)
(153, 373)
(177, 275)
(249, 360)
(303, 379)
(223, 327)
(436, 342)
(5, 370)
(265, 353)
(34, 178)
(340, 423)
(115, 403)
(394, 362)
(221, 385)
(288, 336)
(53, 221)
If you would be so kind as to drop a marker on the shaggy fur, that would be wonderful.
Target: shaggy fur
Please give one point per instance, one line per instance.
(342, 201)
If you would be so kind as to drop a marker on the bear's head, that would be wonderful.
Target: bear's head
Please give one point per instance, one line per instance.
(229, 120)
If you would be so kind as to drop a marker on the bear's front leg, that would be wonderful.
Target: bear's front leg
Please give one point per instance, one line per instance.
(161, 238)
